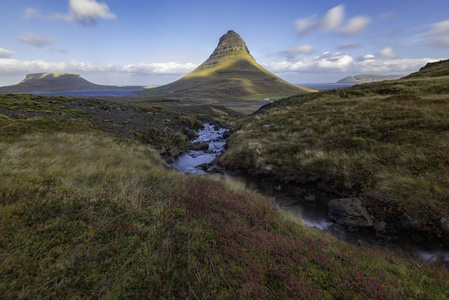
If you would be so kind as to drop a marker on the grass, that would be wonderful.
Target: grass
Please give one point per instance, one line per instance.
(84, 214)
(386, 138)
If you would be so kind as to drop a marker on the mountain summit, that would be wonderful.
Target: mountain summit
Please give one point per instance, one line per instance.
(230, 71)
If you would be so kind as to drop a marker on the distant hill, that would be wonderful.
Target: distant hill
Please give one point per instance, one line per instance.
(50, 82)
(367, 78)
(230, 71)
(435, 69)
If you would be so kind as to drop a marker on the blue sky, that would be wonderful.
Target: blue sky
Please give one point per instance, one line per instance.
(138, 42)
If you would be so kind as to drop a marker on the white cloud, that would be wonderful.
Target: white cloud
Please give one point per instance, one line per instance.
(349, 45)
(333, 18)
(439, 34)
(306, 25)
(6, 53)
(303, 49)
(36, 40)
(327, 61)
(387, 52)
(333, 21)
(88, 12)
(85, 12)
(15, 66)
(339, 63)
(355, 25)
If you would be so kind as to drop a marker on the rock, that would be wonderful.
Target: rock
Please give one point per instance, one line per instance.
(381, 227)
(406, 222)
(215, 169)
(168, 159)
(216, 127)
(310, 198)
(174, 151)
(226, 134)
(349, 212)
(444, 225)
(199, 146)
(162, 151)
(203, 167)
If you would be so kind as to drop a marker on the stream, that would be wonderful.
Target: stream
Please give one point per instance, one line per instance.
(310, 215)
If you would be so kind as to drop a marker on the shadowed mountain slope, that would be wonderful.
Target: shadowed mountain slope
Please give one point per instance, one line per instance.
(230, 71)
(49, 82)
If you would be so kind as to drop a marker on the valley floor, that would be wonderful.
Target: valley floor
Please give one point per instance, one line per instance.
(87, 213)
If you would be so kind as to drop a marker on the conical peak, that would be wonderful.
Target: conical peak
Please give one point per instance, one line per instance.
(230, 42)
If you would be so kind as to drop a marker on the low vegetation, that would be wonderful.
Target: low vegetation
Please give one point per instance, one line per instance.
(154, 125)
(385, 138)
(87, 214)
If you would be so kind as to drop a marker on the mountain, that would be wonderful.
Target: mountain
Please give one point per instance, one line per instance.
(230, 71)
(435, 69)
(49, 82)
(367, 78)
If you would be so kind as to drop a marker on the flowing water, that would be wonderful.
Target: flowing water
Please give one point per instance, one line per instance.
(312, 216)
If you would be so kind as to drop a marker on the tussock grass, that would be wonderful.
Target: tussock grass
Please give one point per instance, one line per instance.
(390, 137)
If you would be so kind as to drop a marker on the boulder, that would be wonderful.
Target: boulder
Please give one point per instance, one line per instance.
(226, 134)
(215, 169)
(349, 212)
(174, 151)
(199, 146)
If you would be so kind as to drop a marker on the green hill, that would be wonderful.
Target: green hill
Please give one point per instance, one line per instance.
(50, 82)
(230, 72)
(435, 69)
(385, 143)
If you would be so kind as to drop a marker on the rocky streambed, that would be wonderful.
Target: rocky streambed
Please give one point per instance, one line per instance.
(316, 205)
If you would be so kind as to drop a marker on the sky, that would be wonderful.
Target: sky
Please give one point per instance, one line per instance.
(154, 42)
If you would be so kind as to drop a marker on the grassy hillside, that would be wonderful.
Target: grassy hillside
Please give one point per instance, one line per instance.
(387, 139)
(85, 214)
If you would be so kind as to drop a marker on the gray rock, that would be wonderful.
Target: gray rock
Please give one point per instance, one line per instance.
(349, 212)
